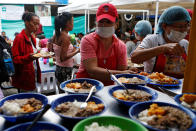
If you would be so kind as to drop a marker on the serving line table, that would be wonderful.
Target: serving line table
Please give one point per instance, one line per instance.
(113, 109)
(46, 67)
(48, 80)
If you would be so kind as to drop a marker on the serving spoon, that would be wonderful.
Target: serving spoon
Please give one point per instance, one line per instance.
(84, 104)
(72, 75)
(117, 81)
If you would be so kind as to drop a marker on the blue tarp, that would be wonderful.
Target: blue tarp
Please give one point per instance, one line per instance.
(62, 1)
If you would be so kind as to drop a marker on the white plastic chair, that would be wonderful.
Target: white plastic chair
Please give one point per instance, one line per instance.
(50, 86)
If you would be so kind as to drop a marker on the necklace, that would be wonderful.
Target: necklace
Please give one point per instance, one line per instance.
(105, 58)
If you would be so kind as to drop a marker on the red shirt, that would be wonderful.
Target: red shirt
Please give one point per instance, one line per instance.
(24, 77)
(91, 47)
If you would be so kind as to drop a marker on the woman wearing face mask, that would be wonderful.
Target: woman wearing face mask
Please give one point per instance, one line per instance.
(24, 47)
(166, 51)
(101, 49)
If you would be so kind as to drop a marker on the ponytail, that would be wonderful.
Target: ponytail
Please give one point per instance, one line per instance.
(61, 22)
(57, 26)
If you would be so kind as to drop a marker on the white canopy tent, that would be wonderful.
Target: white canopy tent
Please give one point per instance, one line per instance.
(125, 6)
(82, 7)
(151, 5)
(79, 6)
(90, 7)
(24, 1)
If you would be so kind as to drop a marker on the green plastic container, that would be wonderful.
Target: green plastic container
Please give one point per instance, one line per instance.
(124, 123)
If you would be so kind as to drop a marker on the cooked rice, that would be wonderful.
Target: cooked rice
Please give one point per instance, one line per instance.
(10, 108)
(17, 106)
(96, 127)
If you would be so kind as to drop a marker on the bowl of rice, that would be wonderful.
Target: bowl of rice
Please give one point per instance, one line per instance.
(68, 107)
(161, 116)
(22, 106)
(187, 100)
(108, 123)
(39, 126)
(132, 79)
(81, 86)
(136, 94)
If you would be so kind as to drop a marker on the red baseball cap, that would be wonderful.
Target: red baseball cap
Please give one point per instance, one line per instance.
(190, 12)
(107, 11)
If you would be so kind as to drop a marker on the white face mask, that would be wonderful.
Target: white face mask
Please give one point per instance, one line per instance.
(105, 32)
(176, 36)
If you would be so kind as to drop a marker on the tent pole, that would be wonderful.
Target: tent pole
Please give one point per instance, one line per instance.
(156, 16)
(85, 22)
(88, 21)
(143, 15)
(148, 15)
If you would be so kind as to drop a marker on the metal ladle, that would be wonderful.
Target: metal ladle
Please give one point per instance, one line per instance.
(117, 81)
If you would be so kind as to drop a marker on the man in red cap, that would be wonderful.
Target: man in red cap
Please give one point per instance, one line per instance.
(102, 49)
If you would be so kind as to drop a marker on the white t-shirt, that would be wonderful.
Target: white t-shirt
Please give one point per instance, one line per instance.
(155, 40)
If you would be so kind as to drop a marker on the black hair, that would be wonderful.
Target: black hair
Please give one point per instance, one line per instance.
(16, 33)
(132, 37)
(81, 34)
(27, 16)
(61, 22)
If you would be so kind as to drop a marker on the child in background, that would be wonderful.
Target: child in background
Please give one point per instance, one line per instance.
(43, 43)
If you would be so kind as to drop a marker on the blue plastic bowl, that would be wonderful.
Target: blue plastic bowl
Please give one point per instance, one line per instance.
(138, 87)
(79, 98)
(40, 125)
(177, 99)
(137, 108)
(147, 80)
(167, 86)
(32, 115)
(99, 85)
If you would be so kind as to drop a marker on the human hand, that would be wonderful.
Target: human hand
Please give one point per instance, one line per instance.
(173, 49)
(34, 56)
(78, 51)
(129, 72)
(134, 69)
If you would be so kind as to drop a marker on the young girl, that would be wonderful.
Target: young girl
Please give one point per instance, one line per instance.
(64, 50)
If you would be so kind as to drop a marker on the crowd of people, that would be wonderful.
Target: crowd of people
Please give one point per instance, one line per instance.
(102, 49)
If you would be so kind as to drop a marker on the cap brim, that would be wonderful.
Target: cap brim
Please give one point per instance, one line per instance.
(106, 16)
